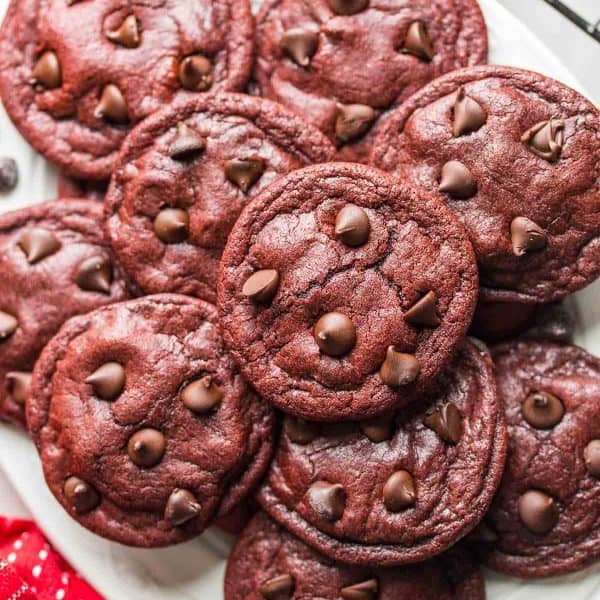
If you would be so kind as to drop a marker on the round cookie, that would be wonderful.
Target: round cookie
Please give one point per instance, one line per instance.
(516, 155)
(185, 174)
(76, 76)
(343, 294)
(145, 429)
(55, 264)
(397, 489)
(312, 57)
(268, 563)
(545, 518)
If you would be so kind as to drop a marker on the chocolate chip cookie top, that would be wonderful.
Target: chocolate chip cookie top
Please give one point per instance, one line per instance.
(55, 264)
(516, 155)
(340, 62)
(343, 294)
(394, 490)
(269, 563)
(145, 429)
(185, 174)
(75, 76)
(544, 519)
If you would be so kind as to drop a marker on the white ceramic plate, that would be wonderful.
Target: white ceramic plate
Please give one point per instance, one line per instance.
(195, 569)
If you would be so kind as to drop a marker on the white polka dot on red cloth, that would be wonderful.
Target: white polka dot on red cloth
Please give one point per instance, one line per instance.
(11, 557)
(60, 594)
(43, 554)
(36, 571)
(18, 545)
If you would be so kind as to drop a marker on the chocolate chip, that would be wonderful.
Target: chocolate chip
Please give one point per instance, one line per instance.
(353, 121)
(171, 225)
(18, 382)
(328, 500)
(187, 144)
(108, 381)
(526, 236)
(352, 226)
(418, 42)
(95, 275)
(300, 431)
(542, 410)
(181, 507)
(591, 456)
(365, 590)
(379, 429)
(546, 139)
(112, 105)
(457, 180)
(202, 395)
(244, 172)
(398, 368)
(399, 491)
(262, 286)
(9, 174)
(335, 334)
(38, 244)
(347, 7)
(299, 44)
(8, 325)
(446, 422)
(423, 311)
(278, 588)
(127, 34)
(196, 73)
(538, 511)
(47, 70)
(146, 447)
(483, 533)
(80, 495)
(469, 115)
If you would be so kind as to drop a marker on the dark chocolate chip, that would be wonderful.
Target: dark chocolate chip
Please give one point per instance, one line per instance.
(47, 70)
(538, 511)
(8, 325)
(112, 105)
(196, 73)
(591, 456)
(278, 588)
(379, 429)
(80, 495)
(328, 500)
(244, 172)
(202, 395)
(261, 286)
(171, 225)
(9, 174)
(38, 244)
(542, 410)
(365, 590)
(399, 491)
(418, 42)
(95, 275)
(300, 431)
(546, 139)
(181, 507)
(347, 7)
(300, 44)
(469, 115)
(353, 121)
(526, 236)
(108, 381)
(127, 34)
(18, 382)
(335, 334)
(146, 447)
(398, 368)
(446, 422)
(187, 144)
(352, 226)
(457, 180)
(423, 311)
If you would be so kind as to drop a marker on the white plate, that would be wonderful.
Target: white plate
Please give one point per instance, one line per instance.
(195, 569)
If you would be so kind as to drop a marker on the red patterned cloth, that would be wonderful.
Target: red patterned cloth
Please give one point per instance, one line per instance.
(30, 569)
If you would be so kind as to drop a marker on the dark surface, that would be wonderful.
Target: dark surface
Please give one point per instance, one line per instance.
(415, 245)
(265, 551)
(454, 483)
(148, 179)
(163, 343)
(92, 190)
(560, 196)
(359, 58)
(44, 294)
(549, 460)
(60, 122)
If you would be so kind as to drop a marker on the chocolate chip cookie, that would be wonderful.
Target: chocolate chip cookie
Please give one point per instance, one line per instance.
(268, 563)
(184, 176)
(516, 155)
(343, 294)
(341, 63)
(55, 264)
(397, 489)
(545, 518)
(76, 76)
(145, 429)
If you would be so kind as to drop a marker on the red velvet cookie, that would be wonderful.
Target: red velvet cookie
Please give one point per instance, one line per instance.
(55, 264)
(268, 563)
(145, 429)
(545, 518)
(343, 294)
(394, 490)
(183, 177)
(516, 155)
(75, 76)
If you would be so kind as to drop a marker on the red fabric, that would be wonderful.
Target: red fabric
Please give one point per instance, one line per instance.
(30, 569)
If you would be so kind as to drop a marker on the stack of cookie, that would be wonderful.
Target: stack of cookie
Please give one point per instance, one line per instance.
(229, 314)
